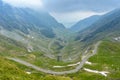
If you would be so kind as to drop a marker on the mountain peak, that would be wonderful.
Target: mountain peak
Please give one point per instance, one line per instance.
(82, 24)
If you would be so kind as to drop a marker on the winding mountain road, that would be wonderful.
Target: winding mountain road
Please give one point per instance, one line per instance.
(54, 72)
(49, 46)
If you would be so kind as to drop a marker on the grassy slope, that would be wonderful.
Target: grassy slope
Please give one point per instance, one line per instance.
(9, 71)
(9, 47)
(40, 60)
(107, 59)
(13, 71)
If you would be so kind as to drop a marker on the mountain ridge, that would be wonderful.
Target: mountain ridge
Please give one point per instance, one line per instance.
(24, 19)
(82, 24)
(107, 25)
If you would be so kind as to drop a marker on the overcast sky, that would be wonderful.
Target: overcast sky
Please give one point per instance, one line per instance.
(69, 12)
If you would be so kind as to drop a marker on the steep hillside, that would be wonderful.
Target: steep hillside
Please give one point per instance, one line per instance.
(106, 27)
(36, 38)
(9, 47)
(27, 20)
(13, 71)
(82, 24)
(35, 29)
(9, 71)
(106, 60)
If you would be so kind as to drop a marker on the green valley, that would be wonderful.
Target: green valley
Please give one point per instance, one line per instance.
(73, 44)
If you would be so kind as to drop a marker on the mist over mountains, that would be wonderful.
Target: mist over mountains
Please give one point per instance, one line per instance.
(35, 46)
(25, 19)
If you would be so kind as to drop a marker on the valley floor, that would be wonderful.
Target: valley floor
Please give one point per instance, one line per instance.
(80, 65)
(104, 65)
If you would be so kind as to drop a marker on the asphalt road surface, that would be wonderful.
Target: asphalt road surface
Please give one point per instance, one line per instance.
(54, 72)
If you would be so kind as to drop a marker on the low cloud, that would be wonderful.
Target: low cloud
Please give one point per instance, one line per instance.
(68, 12)
(81, 5)
(25, 3)
(70, 18)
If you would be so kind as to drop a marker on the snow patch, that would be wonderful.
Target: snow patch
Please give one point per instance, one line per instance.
(117, 38)
(32, 37)
(28, 72)
(58, 66)
(104, 73)
(29, 48)
(89, 63)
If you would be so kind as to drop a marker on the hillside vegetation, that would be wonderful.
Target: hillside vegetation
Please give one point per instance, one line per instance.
(39, 39)
(9, 71)
(107, 59)
(13, 71)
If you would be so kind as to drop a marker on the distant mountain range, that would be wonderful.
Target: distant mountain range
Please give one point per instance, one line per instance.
(35, 30)
(37, 38)
(24, 19)
(39, 31)
(82, 24)
(106, 27)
